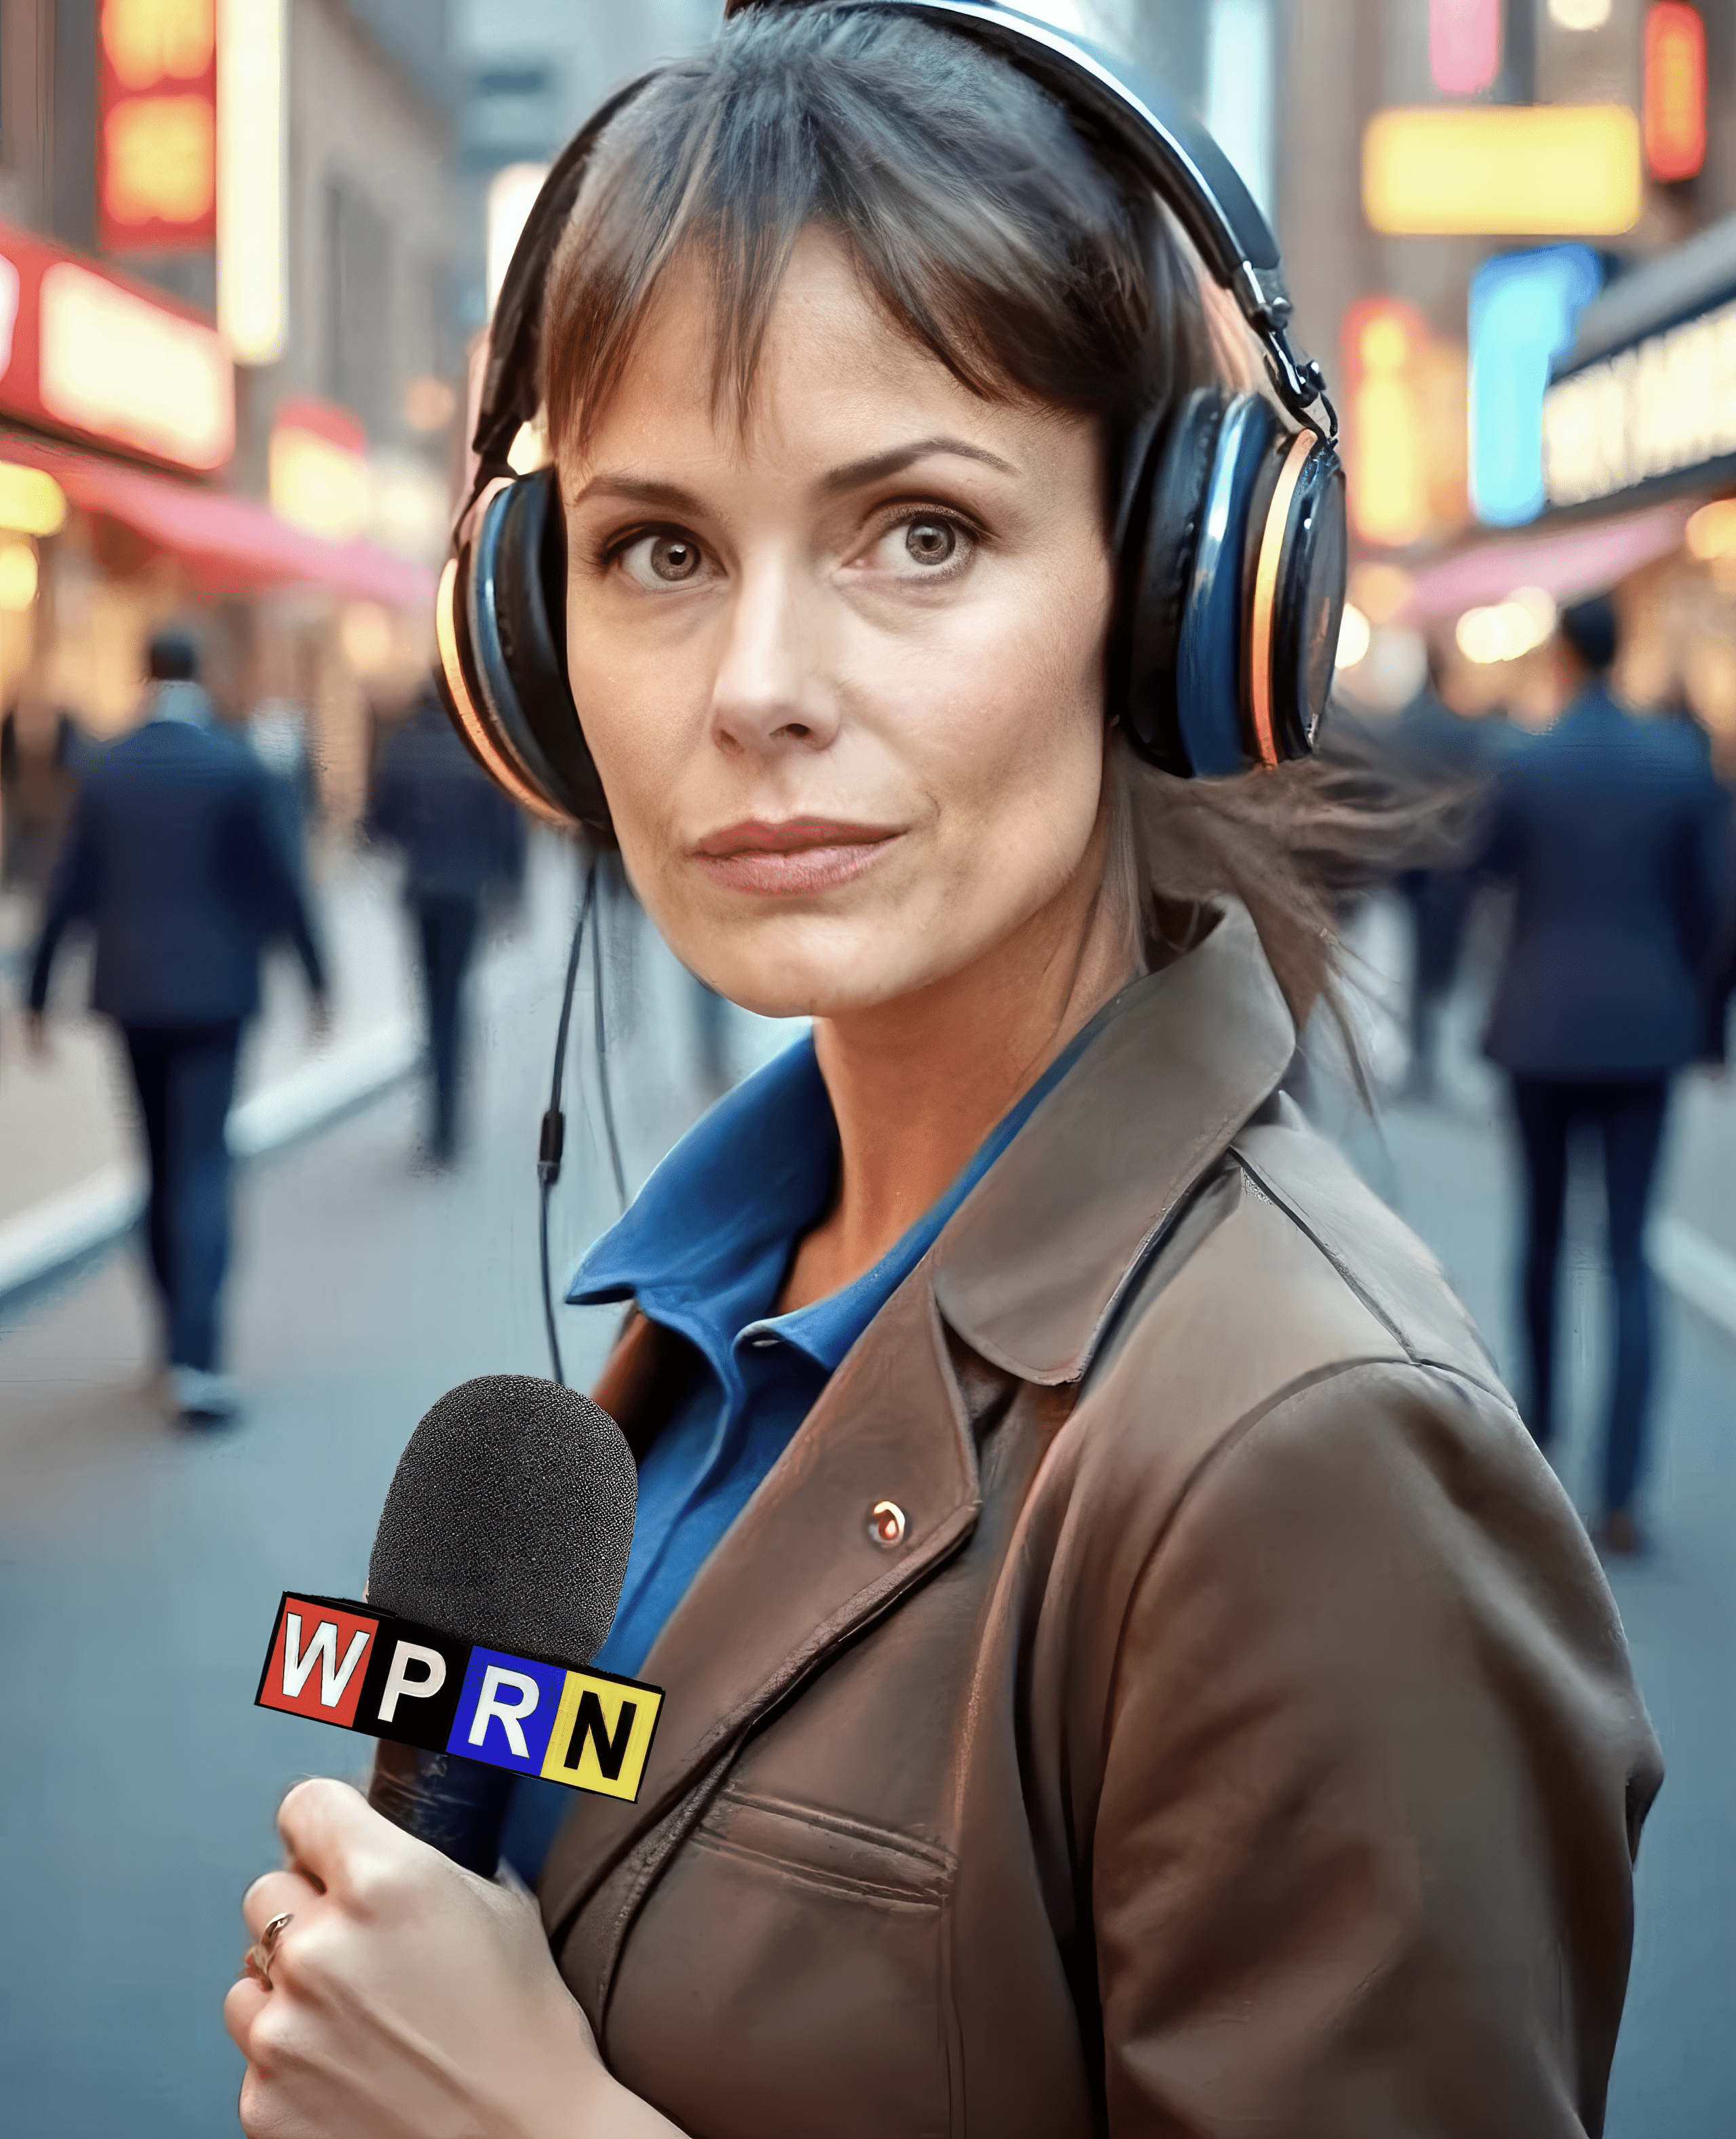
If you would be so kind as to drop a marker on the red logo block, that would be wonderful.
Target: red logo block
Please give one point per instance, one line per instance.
(319, 1660)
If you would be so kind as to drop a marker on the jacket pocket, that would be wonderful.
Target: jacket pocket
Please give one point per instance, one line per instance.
(787, 1976)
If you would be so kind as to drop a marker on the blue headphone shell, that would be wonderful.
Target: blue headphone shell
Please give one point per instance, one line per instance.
(511, 588)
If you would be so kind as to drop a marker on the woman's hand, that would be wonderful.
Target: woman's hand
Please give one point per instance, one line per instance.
(409, 1999)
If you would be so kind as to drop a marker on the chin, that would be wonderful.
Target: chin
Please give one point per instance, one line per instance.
(805, 967)
(792, 989)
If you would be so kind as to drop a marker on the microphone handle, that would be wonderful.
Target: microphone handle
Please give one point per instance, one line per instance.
(456, 1806)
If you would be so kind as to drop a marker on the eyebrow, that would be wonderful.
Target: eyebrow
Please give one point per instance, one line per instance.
(857, 474)
(854, 475)
(639, 490)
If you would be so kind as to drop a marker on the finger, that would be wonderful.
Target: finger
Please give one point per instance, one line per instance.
(278, 1893)
(241, 2007)
(324, 1824)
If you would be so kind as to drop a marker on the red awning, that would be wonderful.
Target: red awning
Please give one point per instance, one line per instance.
(1568, 563)
(234, 545)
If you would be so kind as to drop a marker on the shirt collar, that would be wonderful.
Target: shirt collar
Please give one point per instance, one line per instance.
(185, 704)
(709, 1234)
(705, 1245)
(1594, 703)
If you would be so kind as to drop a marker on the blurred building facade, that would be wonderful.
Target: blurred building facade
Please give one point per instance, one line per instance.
(404, 138)
(253, 203)
(1611, 148)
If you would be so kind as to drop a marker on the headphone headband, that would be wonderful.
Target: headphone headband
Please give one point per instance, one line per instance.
(1184, 165)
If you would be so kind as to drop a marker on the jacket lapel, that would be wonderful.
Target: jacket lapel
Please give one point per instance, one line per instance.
(891, 1425)
(1033, 1266)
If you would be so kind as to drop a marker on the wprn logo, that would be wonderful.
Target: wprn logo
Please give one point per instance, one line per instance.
(338, 1662)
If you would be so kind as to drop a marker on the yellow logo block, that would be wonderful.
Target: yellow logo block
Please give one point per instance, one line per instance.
(602, 1735)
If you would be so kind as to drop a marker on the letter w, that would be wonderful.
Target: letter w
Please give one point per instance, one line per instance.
(322, 1650)
(588, 1723)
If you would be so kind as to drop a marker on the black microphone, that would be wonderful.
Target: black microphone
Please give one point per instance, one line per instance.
(507, 1527)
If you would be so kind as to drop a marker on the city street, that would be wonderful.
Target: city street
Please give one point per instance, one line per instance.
(139, 1566)
(354, 363)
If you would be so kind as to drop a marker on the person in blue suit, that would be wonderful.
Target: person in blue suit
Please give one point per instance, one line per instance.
(463, 849)
(1447, 755)
(175, 860)
(1610, 830)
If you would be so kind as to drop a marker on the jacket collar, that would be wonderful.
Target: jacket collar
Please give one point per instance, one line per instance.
(1028, 1272)
(1033, 1266)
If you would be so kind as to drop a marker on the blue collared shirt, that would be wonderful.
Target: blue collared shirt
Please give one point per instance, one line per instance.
(704, 1251)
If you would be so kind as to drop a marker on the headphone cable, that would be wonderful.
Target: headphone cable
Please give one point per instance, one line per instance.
(604, 1093)
(552, 1141)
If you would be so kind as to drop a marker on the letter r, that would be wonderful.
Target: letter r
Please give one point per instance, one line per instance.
(509, 1714)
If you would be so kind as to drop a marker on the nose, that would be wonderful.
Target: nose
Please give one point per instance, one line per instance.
(770, 694)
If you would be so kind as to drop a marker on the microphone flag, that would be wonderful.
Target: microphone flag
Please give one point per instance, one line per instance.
(341, 1662)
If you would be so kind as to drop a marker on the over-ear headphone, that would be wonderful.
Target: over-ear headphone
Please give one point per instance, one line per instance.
(1231, 548)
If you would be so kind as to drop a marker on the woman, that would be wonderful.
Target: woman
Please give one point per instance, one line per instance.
(1127, 1670)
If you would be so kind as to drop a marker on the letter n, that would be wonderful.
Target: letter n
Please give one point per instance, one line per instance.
(584, 1752)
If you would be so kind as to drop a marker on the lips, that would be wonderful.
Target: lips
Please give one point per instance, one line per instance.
(793, 857)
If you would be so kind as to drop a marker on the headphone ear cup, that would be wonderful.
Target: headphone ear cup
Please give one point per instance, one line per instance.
(1313, 564)
(1162, 540)
(1292, 575)
(461, 692)
(1210, 665)
(516, 613)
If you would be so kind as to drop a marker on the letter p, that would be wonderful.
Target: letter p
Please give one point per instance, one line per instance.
(398, 1681)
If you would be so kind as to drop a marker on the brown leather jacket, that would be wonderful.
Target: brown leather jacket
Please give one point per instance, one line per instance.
(1239, 1738)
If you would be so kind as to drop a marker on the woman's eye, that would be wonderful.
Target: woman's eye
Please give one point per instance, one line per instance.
(926, 545)
(658, 561)
(931, 542)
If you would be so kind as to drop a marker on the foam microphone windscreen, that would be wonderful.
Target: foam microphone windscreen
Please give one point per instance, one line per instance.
(508, 1519)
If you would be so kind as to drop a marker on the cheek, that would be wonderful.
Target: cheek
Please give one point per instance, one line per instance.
(1014, 749)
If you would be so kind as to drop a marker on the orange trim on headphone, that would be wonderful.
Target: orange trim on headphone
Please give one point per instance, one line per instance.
(480, 736)
(1265, 596)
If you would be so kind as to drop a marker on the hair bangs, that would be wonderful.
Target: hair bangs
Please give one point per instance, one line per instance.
(985, 229)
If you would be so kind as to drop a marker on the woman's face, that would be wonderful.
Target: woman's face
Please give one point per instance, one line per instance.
(842, 667)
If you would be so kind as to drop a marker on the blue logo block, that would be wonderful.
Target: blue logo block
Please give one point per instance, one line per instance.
(507, 1710)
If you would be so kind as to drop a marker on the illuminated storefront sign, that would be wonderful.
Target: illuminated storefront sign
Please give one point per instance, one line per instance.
(1675, 90)
(1664, 408)
(252, 229)
(1384, 342)
(318, 470)
(1464, 45)
(156, 132)
(1523, 311)
(1503, 170)
(84, 353)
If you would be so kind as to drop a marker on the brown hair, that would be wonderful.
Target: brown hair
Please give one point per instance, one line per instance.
(1028, 261)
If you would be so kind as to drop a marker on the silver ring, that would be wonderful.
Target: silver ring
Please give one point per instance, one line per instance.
(258, 1959)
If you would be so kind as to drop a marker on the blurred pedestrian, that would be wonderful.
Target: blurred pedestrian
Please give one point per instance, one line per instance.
(463, 846)
(40, 752)
(173, 858)
(1611, 832)
(1445, 754)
